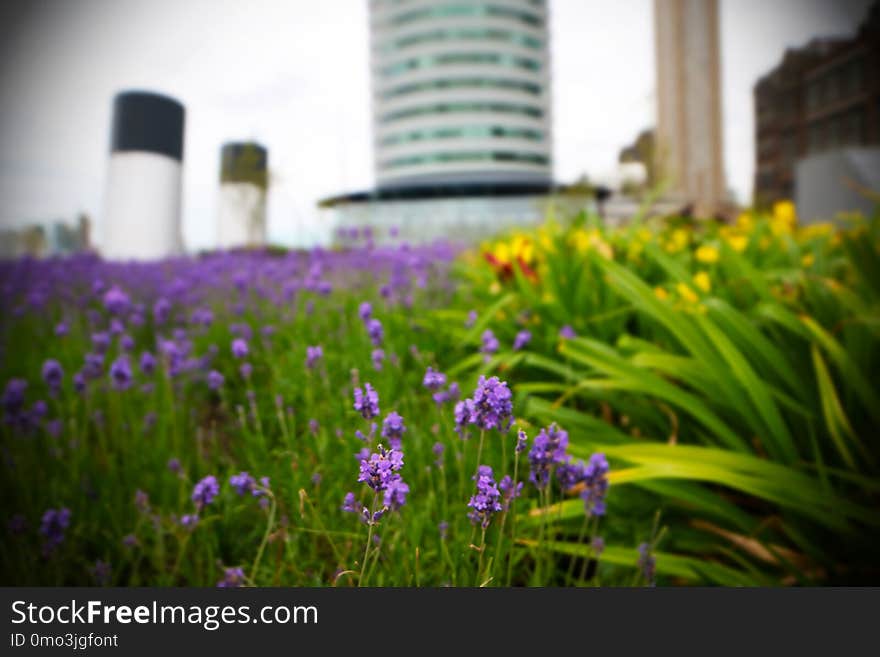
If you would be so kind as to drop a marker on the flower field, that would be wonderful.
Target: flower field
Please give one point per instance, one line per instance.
(669, 402)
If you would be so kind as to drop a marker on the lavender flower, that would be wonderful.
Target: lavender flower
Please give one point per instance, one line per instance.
(148, 363)
(313, 355)
(174, 465)
(567, 332)
(451, 394)
(381, 468)
(243, 483)
(521, 340)
(53, 374)
(13, 397)
(375, 331)
(189, 521)
(232, 578)
(548, 450)
(239, 348)
(350, 504)
(490, 408)
(52, 526)
(366, 402)
(378, 357)
(245, 370)
(490, 343)
(443, 529)
(434, 380)
(215, 380)
(595, 485)
(120, 373)
(487, 501)
(102, 572)
(471, 319)
(393, 429)
(521, 439)
(647, 563)
(365, 311)
(116, 301)
(61, 329)
(130, 540)
(395, 494)
(101, 342)
(205, 491)
(438, 450)
(509, 490)
(94, 366)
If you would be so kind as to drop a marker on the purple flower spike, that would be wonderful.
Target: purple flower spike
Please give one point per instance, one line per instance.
(522, 339)
(53, 374)
(239, 348)
(205, 491)
(487, 501)
(393, 429)
(434, 380)
(366, 402)
(313, 355)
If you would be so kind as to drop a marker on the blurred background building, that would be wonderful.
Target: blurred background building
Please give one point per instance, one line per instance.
(817, 123)
(462, 119)
(44, 239)
(143, 193)
(244, 179)
(689, 153)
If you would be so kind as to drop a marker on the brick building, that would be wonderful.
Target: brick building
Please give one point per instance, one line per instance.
(821, 97)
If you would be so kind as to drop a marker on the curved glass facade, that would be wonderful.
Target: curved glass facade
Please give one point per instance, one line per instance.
(451, 59)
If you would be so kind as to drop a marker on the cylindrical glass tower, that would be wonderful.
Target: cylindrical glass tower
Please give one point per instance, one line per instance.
(461, 92)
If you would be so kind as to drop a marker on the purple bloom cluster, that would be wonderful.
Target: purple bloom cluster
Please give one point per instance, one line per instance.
(451, 394)
(434, 380)
(393, 429)
(490, 343)
(378, 357)
(232, 578)
(549, 450)
(489, 408)
(487, 500)
(215, 380)
(375, 331)
(521, 340)
(313, 355)
(53, 375)
(366, 401)
(381, 468)
(52, 526)
(205, 491)
(120, 373)
(239, 348)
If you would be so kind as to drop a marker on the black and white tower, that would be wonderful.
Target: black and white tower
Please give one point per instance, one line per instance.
(143, 196)
(243, 183)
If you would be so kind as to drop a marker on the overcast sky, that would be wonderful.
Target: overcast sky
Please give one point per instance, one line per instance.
(293, 74)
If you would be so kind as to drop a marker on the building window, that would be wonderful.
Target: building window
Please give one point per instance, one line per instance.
(476, 156)
(445, 84)
(445, 11)
(463, 132)
(453, 58)
(507, 36)
(461, 108)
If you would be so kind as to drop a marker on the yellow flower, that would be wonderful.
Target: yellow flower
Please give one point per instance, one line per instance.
(738, 242)
(702, 281)
(745, 222)
(808, 259)
(661, 293)
(784, 213)
(707, 254)
(501, 253)
(522, 248)
(686, 293)
(495, 288)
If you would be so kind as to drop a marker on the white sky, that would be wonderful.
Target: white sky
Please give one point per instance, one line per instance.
(293, 74)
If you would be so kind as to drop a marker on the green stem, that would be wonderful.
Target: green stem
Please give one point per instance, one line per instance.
(265, 540)
(369, 539)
